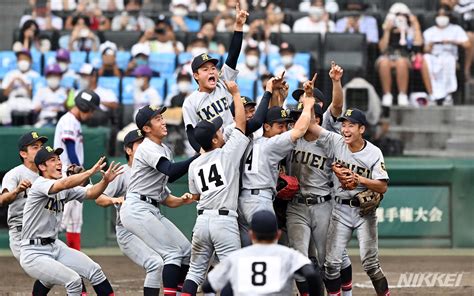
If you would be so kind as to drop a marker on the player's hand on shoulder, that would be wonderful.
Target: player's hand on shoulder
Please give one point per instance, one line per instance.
(114, 170)
(336, 72)
(24, 184)
(232, 87)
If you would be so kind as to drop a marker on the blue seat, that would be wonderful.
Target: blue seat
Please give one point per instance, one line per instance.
(67, 82)
(8, 62)
(78, 58)
(303, 59)
(112, 83)
(50, 58)
(293, 84)
(246, 87)
(36, 61)
(38, 83)
(127, 90)
(184, 57)
(159, 84)
(165, 63)
(95, 59)
(122, 58)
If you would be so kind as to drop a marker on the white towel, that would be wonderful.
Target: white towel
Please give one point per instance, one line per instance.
(442, 70)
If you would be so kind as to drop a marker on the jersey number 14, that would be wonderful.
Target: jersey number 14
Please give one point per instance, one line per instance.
(211, 177)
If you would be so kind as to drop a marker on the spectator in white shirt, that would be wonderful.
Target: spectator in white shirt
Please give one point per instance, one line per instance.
(358, 21)
(132, 19)
(18, 82)
(292, 70)
(49, 101)
(144, 94)
(317, 21)
(44, 18)
(274, 19)
(441, 55)
(89, 80)
(252, 68)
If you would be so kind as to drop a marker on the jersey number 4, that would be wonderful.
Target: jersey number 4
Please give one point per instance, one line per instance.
(251, 161)
(210, 177)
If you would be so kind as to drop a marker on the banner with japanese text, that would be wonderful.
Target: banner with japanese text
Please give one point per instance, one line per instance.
(415, 211)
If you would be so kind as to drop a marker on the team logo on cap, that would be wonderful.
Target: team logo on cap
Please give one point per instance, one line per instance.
(244, 100)
(205, 57)
(49, 149)
(154, 108)
(284, 114)
(348, 112)
(34, 135)
(300, 106)
(139, 133)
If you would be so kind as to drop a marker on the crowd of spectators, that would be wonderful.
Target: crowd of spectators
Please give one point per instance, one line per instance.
(407, 49)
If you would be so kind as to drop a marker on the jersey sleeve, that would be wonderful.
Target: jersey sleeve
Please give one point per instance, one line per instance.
(10, 181)
(220, 275)
(77, 193)
(379, 171)
(234, 148)
(43, 186)
(330, 122)
(151, 157)
(227, 73)
(461, 35)
(67, 131)
(191, 183)
(189, 114)
(328, 140)
(279, 146)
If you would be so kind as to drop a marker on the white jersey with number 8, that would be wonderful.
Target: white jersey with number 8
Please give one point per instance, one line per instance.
(259, 270)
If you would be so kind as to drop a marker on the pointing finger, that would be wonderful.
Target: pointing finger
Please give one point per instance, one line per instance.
(314, 78)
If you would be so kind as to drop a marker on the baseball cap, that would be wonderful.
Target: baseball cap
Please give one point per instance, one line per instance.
(142, 70)
(354, 115)
(264, 222)
(52, 69)
(30, 138)
(86, 69)
(286, 47)
(200, 60)
(206, 129)
(108, 48)
(140, 48)
(63, 55)
(163, 19)
(317, 93)
(24, 52)
(87, 100)
(299, 109)
(132, 137)
(246, 101)
(146, 113)
(277, 114)
(46, 153)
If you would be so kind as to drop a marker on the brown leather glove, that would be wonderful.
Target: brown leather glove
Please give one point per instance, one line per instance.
(348, 179)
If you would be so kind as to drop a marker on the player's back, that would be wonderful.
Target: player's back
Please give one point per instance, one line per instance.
(260, 269)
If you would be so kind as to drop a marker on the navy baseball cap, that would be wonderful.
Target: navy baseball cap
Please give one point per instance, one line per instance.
(132, 137)
(264, 222)
(146, 113)
(205, 130)
(354, 115)
(277, 114)
(46, 153)
(317, 93)
(30, 138)
(87, 100)
(246, 101)
(200, 60)
(299, 109)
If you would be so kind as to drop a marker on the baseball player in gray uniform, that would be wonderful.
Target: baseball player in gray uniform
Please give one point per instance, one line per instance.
(42, 255)
(264, 268)
(152, 169)
(133, 247)
(212, 99)
(15, 186)
(366, 160)
(261, 160)
(214, 182)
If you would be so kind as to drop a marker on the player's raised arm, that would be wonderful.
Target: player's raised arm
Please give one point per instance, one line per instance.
(256, 122)
(108, 176)
(236, 42)
(335, 74)
(8, 197)
(302, 124)
(240, 121)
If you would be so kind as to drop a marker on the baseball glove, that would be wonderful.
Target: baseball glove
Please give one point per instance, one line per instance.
(369, 201)
(348, 179)
(287, 187)
(74, 169)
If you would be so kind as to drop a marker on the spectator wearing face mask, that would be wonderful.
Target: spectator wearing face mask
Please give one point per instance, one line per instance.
(401, 40)
(63, 59)
(358, 22)
(298, 72)
(144, 94)
(259, 35)
(180, 19)
(132, 19)
(89, 80)
(18, 82)
(161, 39)
(109, 66)
(140, 54)
(181, 90)
(317, 21)
(81, 37)
(441, 55)
(208, 31)
(251, 69)
(49, 101)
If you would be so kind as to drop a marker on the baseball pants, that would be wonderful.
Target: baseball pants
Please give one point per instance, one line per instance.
(14, 237)
(142, 255)
(212, 232)
(72, 216)
(58, 264)
(249, 204)
(344, 221)
(146, 222)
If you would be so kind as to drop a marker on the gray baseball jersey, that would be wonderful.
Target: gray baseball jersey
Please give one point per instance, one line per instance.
(215, 175)
(368, 162)
(259, 270)
(330, 122)
(118, 187)
(11, 180)
(145, 179)
(43, 211)
(261, 161)
(309, 163)
(206, 106)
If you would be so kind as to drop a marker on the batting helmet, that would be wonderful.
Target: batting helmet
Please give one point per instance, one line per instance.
(87, 100)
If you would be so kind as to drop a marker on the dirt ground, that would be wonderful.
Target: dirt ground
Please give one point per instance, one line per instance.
(127, 278)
